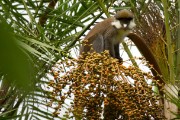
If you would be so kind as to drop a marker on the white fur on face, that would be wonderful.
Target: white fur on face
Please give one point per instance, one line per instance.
(117, 24)
(132, 24)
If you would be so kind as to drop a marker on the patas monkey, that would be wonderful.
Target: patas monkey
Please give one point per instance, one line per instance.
(108, 34)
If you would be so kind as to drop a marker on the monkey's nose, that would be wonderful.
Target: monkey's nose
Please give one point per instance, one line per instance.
(125, 25)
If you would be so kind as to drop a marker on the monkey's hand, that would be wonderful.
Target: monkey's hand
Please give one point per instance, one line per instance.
(120, 59)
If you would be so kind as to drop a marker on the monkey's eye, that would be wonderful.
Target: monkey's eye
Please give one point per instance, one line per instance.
(125, 19)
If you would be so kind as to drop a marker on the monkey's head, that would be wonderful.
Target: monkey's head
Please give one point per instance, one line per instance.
(124, 19)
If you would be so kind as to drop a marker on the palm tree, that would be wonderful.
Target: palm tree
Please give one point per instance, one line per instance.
(35, 35)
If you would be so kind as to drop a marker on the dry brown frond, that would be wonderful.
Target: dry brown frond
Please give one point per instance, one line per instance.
(151, 28)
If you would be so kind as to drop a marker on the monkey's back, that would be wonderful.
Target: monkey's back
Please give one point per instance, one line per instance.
(98, 30)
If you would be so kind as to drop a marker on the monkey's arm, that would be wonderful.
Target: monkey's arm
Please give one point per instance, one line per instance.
(111, 43)
(116, 50)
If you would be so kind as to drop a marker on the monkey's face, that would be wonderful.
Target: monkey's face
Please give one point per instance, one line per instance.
(124, 19)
